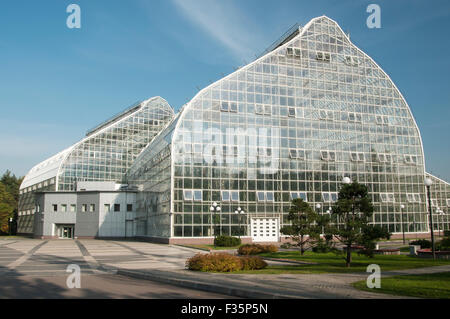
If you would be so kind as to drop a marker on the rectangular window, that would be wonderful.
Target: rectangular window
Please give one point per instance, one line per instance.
(92, 208)
(107, 208)
(129, 207)
(259, 109)
(233, 107)
(225, 196)
(294, 195)
(84, 208)
(270, 197)
(188, 195)
(434, 203)
(55, 207)
(448, 202)
(261, 196)
(235, 196)
(198, 195)
(117, 207)
(64, 208)
(73, 208)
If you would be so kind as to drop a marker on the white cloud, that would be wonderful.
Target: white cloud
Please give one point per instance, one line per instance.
(223, 22)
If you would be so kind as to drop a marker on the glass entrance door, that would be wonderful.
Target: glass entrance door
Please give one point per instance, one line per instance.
(67, 232)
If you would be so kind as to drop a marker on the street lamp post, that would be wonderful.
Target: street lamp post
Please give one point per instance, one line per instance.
(318, 206)
(402, 207)
(428, 183)
(10, 226)
(441, 213)
(239, 212)
(214, 208)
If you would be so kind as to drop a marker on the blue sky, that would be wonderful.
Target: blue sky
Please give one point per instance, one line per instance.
(56, 82)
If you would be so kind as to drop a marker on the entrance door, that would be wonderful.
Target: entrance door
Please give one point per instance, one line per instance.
(67, 232)
(265, 229)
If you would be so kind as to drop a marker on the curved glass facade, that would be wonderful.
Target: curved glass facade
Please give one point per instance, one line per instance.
(291, 124)
(109, 150)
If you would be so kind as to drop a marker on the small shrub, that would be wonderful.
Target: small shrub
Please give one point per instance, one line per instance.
(444, 244)
(423, 243)
(286, 245)
(253, 249)
(446, 233)
(219, 262)
(227, 241)
(323, 246)
(252, 263)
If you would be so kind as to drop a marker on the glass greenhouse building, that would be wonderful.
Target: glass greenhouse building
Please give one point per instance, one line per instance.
(105, 154)
(292, 124)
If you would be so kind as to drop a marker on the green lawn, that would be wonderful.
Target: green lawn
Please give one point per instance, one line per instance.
(332, 263)
(422, 286)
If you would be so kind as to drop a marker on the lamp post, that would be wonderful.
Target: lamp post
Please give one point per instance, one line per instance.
(10, 225)
(441, 213)
(239, 212)
(402, 207)
(318, 206)
(428, 183)
(214, 208)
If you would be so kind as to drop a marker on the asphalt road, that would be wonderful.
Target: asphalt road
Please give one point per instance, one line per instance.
(105, 286)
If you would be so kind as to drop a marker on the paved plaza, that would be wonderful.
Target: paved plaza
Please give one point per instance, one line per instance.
(133, 269)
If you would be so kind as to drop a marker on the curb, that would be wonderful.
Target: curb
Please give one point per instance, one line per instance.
(237, 292)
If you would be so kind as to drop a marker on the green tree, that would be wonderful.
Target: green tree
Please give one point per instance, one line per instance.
(7, 207)
(304, 227)
(9, 198)
(352, 213)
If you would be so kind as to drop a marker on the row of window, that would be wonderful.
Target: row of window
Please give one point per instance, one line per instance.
(37, 186)
(84, 208)
(323, 56)
(327, 197)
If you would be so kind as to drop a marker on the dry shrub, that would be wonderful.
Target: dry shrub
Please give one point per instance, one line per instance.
(223, 262)
(253, 249)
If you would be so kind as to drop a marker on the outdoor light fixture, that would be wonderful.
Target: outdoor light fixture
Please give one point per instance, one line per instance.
(346, 180)
(215, 208)
(428, 183)
(402, 207)
(239, 212)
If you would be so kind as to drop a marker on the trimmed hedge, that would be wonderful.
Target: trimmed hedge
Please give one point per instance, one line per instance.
(223, 262)
(253, 249)
(226, 241)
(423, 243)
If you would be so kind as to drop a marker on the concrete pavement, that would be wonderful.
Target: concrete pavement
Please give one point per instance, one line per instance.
(166, 264)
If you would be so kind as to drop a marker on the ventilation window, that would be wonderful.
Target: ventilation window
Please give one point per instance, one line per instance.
(224, 107)
(292, 112)
(387, 197)
(188, 194)
(290, 51)
(198, 195)
(297, 53)
(323, 56)
(351, 60)
(329, 197)
(233, 107)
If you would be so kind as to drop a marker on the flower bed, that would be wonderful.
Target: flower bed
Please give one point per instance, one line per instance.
(387, 251)
(427, 253)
